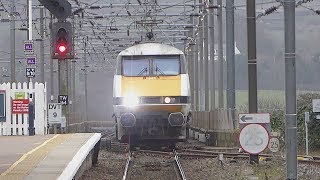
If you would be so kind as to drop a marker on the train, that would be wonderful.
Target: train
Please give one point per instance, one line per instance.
(151, 93)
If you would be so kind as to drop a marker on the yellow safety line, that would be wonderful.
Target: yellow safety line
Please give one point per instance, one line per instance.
(25, 155)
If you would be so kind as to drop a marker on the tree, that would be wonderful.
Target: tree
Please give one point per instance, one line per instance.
(304, 104)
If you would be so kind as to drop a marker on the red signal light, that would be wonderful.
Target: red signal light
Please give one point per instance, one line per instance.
(62, 48)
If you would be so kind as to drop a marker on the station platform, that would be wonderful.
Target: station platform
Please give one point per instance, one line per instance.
(61, 156)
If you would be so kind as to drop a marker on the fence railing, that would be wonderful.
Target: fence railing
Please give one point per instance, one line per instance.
(18, 123)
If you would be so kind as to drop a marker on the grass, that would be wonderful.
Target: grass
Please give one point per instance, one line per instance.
(274, 170)
(242, 96)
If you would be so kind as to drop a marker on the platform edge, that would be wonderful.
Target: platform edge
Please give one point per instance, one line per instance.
(73, 166)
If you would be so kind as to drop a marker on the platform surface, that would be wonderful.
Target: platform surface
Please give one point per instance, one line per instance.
(13, 147)
(40, 157)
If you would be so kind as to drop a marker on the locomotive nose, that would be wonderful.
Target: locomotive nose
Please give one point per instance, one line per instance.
(176, 119)
(127, 120)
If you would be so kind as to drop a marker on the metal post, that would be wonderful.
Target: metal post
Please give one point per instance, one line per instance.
(51, 65)
(212, 54)
(29, 25)
(230, 59)
(252, 62)
(73, 74)
(86, 79)
(200, 66)
(41, 62)
(290, 88)
(31, 117)
(30, 19)
(220, 55)
(191, 62)
(306, 121)
(73, 69)
(69, 92)
(195, 65)
(206, 62)
(13, 42)
(63, 84)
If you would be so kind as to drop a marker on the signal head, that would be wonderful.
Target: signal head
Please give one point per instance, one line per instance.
(62, 40)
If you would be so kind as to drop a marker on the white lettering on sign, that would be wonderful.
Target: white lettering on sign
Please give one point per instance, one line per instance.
(54, 106)
(30, 72)
(20, 106)
(274, 145)
(54, 113)
(63, 99)
(254, 138)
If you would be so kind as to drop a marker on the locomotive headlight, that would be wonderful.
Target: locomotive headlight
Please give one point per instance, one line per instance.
(167, 100)
(131, 99)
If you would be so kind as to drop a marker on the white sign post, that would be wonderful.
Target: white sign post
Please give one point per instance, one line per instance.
(54, 113)
(254, 138)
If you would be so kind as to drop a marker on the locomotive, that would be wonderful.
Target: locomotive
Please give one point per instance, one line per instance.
(151, 93)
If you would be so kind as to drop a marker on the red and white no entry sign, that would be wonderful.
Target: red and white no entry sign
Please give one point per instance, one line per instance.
(254, 138)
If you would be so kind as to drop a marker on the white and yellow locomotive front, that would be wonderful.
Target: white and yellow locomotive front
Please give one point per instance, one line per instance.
(151, 92)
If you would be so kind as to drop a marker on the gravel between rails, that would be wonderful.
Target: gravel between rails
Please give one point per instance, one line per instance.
(150, 166)
(211, 168)
(110, 166)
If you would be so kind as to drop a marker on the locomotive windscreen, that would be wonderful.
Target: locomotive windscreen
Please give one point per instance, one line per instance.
(151, 65)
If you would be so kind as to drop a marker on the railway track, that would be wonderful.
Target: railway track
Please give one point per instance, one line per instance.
(310, 162)
(211, 154)
(145, 164)
(107, 134)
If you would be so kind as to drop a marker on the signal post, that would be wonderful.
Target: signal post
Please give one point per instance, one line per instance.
(62, 46)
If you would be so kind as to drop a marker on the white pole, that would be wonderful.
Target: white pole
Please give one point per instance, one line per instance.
(306, 121)
(30, 20)
(30, 26)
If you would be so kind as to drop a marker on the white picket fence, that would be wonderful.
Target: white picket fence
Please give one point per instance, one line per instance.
(17, 124)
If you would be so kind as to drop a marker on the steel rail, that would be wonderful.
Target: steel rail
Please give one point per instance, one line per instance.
(126, 170)
(107, 134)
(178, 164)
(309, 162)
(217, 153)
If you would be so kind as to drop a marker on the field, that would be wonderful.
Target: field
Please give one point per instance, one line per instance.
(277, 95)
(242, 96)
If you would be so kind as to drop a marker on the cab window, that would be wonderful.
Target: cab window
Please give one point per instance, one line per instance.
(150, 66)
(135, 67)
(166, 66)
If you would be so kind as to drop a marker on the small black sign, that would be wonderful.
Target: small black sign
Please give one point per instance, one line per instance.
(2, 106)
(63, 99)
(30, 72)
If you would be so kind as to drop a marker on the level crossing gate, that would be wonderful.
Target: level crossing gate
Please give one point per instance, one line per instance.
(15, 121)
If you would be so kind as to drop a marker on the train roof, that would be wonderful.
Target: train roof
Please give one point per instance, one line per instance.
(150, 49)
